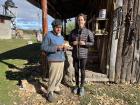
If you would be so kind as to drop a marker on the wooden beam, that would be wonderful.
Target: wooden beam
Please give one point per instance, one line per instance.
(44, 16)
(50, 5)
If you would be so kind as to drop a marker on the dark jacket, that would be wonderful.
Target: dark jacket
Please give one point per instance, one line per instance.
(50, 44)
(85, 35)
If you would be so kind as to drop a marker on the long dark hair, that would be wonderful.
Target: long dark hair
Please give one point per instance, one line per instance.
(83, 15)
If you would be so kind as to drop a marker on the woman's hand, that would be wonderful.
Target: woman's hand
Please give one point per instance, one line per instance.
(60, 47)
(65, 47)
(75, 42)
(82, 43)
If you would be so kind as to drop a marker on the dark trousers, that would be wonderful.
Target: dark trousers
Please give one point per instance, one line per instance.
(79, 63)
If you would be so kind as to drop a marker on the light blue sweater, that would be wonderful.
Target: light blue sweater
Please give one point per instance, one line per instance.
(50, 44)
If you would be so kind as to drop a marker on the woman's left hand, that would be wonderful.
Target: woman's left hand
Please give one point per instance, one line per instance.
(82, 43)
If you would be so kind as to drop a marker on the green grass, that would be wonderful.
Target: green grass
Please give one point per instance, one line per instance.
(9, 44)
(14, 53)
(7, 87)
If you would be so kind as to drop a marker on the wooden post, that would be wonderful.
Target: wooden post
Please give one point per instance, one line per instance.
(137, 52)
(136, 55)
(109, 40)
(118, 64)
(103, 60)
(120, 46)
(114, 42)
(113, 52)
(128, 46)
(45, 30)
(44, 16)
(103, 54)
(65, 21)
(136, 64)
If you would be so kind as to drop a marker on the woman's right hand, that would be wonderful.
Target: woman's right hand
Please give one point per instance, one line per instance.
(75, 42)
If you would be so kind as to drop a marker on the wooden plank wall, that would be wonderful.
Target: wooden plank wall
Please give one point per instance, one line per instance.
(126, 70)
(126, 67)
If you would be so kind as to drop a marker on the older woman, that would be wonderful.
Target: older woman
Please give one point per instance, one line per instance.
(53, 44)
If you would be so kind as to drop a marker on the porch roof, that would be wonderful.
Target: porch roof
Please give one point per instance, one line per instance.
(70, 8)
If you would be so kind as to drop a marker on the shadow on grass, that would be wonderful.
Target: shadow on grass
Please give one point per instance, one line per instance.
(29, 52)
(30, 73)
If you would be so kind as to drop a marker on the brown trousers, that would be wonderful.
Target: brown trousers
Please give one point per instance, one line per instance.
(55, 75)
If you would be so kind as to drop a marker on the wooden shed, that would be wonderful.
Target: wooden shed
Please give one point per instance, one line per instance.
(116, 35)
(5, 27)
(7, 20)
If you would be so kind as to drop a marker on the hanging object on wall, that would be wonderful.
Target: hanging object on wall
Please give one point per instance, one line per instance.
(102, 13)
